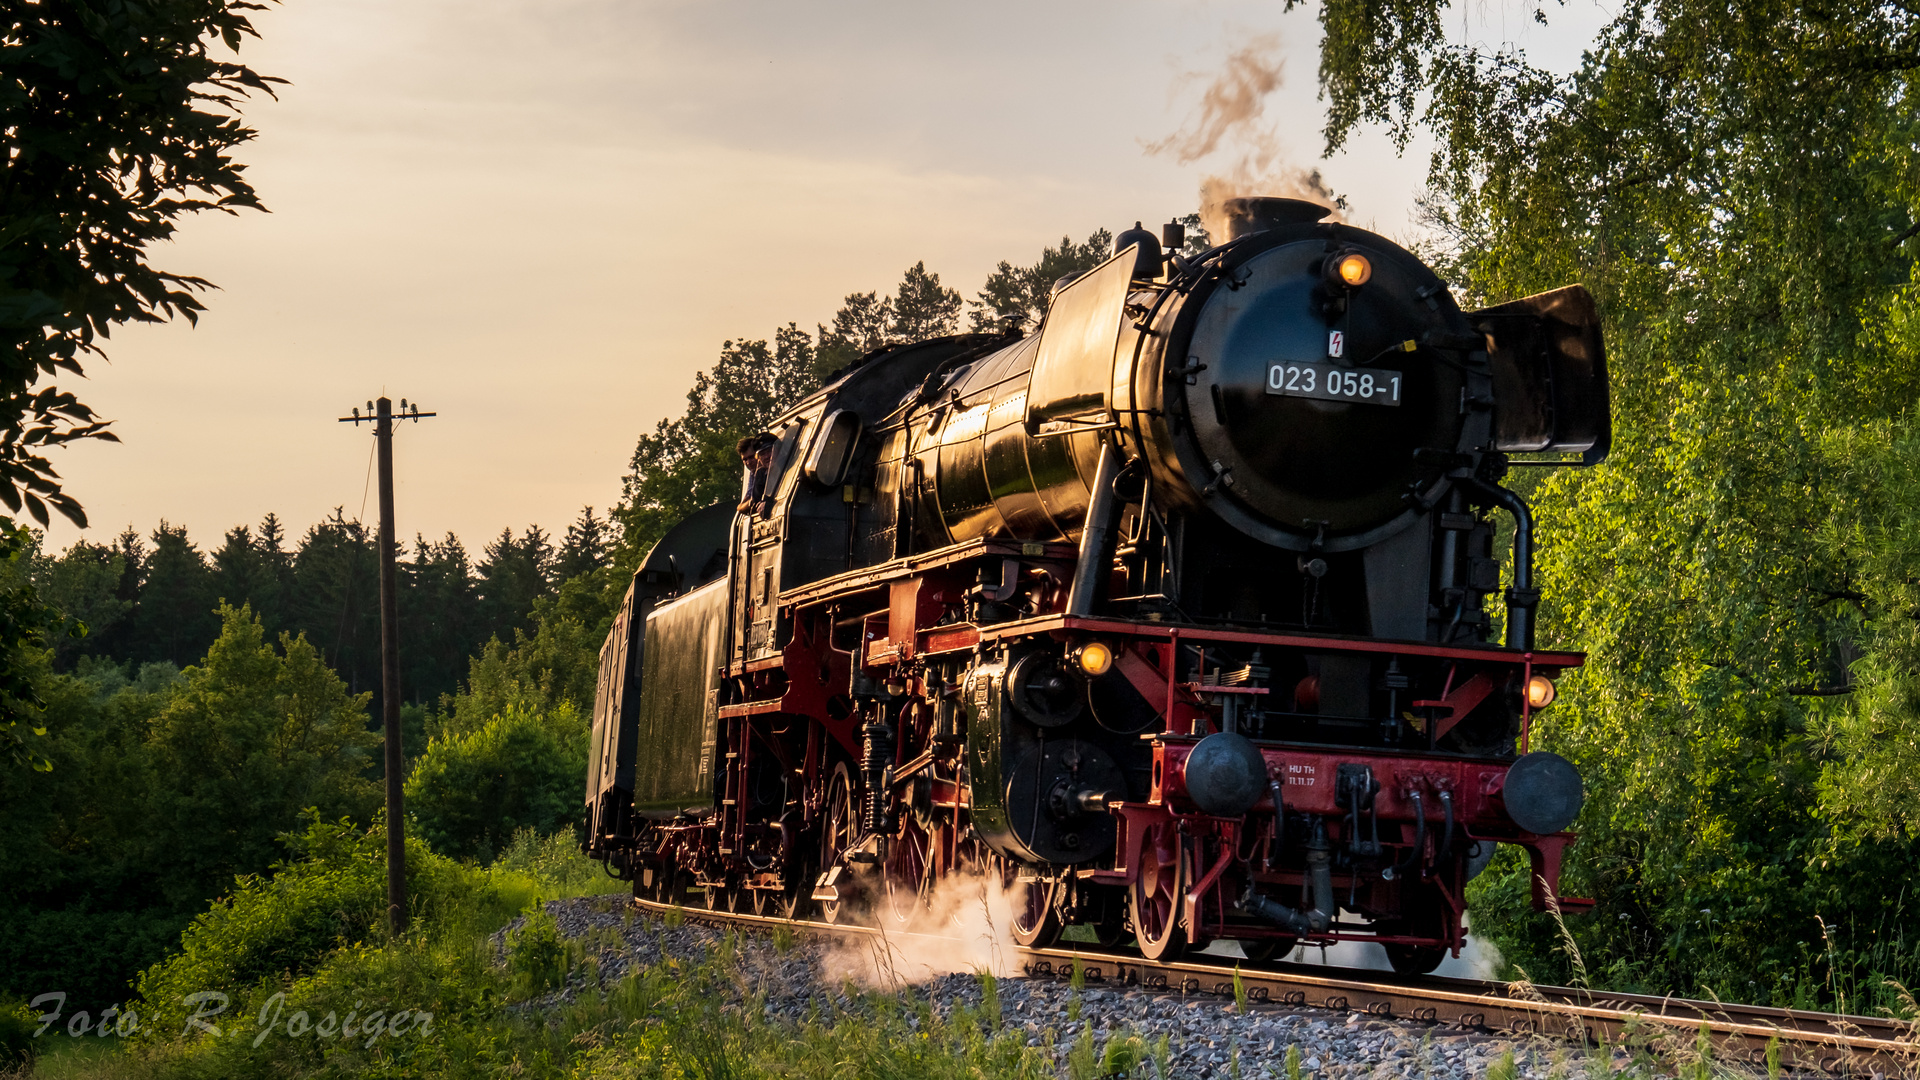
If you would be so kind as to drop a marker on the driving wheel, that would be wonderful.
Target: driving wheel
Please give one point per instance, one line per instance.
(908, 872)
(1036, 910)
(1154, 899)
(839, 828)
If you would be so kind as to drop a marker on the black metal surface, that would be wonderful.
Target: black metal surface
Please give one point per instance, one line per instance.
(1549, 374)
(616, 710)
(1225, 774)
(1045, 691)
(691, 554)
(1333, 469)
(1073, 370)
(1141, 422)
(1543, 793)
(1252, 215)
(832, 448)
(1043, 800)
(674, 764)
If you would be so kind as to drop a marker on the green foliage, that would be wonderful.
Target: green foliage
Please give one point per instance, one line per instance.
(81, 862)
(174, 615)
(675, 1019)
(83, 585)
(537, 956)
(164, 786)
(313, 934)
(1738, 189)
(1123, 1055)
(923, 308)
(119, 121)
(473, 790)
(1871, 783)
(25, 620)
(1019, 295)
(1082, 1059)
(18, 1022)
(689, 463)
(920, 308)
(334, 894)
(558, 665)
(556, 861)
(587, 547)
(153, 598)
(250, 738)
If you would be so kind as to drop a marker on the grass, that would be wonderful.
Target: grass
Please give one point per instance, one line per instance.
(453, 998)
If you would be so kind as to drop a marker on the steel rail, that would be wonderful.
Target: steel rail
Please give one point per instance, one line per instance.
(1828, 1042)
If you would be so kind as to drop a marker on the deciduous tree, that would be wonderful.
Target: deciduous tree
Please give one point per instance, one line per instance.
(1736, 184)
(120, 120)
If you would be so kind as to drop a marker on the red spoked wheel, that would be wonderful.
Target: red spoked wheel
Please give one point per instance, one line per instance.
(783, 903)
(908, 871)
(669, 885)
(1155, 898)
(839, 830)
(1036, 910)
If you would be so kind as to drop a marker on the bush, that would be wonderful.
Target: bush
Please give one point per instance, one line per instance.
(471, 792)
(332, 897)
(17, 1025)
(558, 864)
(277, 927)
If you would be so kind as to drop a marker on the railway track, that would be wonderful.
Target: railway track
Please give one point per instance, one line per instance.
(1831, 1043)
(1826, 1042)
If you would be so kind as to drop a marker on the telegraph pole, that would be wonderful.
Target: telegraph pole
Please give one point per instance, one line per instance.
(382, 416)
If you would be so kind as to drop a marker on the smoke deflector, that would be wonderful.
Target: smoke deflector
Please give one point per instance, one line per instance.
(1549, 374)
(1073, 373)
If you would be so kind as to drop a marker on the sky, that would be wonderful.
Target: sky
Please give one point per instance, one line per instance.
(540, 218)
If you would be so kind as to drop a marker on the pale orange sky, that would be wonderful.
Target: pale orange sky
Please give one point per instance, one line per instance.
(541, 219)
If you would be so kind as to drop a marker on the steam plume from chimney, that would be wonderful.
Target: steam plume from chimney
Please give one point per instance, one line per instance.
(1229, 120)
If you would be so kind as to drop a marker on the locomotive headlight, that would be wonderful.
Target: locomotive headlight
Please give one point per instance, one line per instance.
(1095, 658)
(1353, 269)
(1540, 692)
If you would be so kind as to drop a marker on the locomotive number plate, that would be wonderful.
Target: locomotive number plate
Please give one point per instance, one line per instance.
(1329, 383)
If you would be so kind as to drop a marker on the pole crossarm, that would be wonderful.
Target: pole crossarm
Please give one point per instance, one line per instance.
(406, 412)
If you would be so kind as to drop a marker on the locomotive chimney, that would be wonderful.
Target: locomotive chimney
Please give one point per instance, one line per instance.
(1251, 215)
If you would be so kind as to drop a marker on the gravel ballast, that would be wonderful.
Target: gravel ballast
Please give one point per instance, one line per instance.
(1208, 1037)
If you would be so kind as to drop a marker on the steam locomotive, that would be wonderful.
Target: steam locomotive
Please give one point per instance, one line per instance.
(1174, 614)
